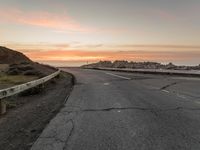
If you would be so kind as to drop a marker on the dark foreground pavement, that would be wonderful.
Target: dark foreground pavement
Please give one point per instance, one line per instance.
(126, 111)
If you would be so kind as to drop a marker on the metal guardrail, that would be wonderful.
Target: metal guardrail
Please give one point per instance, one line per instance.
(20, 88)
(23, 87)
(155, 71)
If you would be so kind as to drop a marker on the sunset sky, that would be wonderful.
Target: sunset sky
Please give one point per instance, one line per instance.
(72, 32)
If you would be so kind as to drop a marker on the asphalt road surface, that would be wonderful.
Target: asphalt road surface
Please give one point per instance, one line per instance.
(127, 111)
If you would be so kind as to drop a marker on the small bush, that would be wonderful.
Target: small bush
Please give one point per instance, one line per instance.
(13, 65)
(25, 63)
(31, 73)
(25, 68)
(13, 72)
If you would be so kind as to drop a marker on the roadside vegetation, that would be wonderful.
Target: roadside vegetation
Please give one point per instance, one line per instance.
(15, 79)
(14, 74)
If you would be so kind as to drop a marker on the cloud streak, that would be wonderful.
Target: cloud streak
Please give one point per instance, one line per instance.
(45, 46)
(42, 19)
(197, 47)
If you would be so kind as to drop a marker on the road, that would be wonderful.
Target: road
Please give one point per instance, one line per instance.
(126, 111)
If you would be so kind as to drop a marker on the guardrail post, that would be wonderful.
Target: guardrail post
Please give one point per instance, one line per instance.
(2, 107)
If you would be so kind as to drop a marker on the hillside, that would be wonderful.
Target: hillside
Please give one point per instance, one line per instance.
(8, 56)
(16, 68)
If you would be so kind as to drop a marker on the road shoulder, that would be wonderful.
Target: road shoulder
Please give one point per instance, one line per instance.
(22, 125)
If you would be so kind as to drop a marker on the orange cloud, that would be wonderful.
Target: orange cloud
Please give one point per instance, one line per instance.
(45, 46)
(43, 19)
(42, 46)
(162, 46)
(94, 56)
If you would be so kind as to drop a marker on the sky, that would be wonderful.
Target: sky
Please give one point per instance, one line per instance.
(74, 32)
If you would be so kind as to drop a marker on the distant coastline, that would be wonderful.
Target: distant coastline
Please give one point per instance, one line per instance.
(140, 65)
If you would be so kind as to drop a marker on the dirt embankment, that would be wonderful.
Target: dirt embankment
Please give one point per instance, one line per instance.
(28, 115)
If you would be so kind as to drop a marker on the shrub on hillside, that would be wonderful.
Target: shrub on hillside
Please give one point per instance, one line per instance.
(13, 71)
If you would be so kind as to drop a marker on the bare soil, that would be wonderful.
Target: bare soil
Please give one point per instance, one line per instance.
(28, 115)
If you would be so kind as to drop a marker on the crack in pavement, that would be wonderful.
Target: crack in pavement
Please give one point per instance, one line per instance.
(180, 94)
(131, 108)
(70, 134)
(168, 85)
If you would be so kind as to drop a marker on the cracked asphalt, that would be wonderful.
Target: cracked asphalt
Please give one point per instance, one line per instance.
(126, 111)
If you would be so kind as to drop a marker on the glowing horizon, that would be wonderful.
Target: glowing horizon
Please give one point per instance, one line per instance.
(74, 32)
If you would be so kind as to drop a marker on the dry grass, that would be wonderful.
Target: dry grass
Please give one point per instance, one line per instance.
(15, 79)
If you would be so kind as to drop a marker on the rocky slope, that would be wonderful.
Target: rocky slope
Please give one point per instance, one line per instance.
(139, 65)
